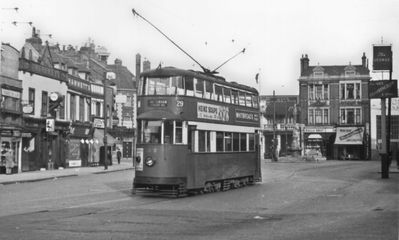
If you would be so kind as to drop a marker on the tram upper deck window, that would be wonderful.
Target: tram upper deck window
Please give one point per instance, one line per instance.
(199, 88)
(234, 97)
(177, 85)
(189, 84)
(255, 101)
(227, 95)
(152, 131)
(219, 93)
(208, 90)
(241, 98)
(248, 99)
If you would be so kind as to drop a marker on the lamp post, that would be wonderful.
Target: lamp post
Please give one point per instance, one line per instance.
(108, 76)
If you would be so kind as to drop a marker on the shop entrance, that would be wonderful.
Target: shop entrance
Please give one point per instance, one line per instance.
(9, 155)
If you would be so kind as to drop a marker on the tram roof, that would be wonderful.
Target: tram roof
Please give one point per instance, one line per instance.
(172, 71)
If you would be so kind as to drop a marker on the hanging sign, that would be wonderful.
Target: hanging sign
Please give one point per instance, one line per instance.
(382, 57)
(383, 89)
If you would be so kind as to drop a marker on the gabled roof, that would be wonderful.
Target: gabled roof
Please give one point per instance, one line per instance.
(335, 70)
(124, 78)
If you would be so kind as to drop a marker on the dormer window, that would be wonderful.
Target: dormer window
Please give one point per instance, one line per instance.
(349, 73)
(318, 74)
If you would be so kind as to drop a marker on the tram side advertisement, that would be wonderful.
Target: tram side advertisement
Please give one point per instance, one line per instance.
(212, 112)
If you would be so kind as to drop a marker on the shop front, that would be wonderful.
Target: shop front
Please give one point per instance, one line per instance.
(10, 151)
(349, 143)
(319, 142)
(80, 145)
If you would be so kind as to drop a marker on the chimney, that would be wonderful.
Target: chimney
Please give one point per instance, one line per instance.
(138, 66)
(118, 62)
(146, 65)
(304, 64)
(364, 60)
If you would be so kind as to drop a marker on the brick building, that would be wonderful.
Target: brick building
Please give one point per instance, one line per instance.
(335, 108)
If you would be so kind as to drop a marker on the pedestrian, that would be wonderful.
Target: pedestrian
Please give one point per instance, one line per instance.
(118, 155)
(9, 160)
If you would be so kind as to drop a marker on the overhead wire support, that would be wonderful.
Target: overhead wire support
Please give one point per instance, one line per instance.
(135, 13)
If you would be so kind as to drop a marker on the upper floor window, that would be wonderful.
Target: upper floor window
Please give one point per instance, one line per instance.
(318, 92)
(318, 74)
(350, 116)
(318, 116)
(350, 73)
(350, 90)
(44, 104)
(31, 99)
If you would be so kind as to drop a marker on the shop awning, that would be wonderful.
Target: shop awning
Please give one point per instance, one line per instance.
(315, 136)
(158, 114)
(349, 136)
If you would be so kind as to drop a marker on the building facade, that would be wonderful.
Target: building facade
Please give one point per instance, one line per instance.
(335, 109)
(279, 124)
(10, 111)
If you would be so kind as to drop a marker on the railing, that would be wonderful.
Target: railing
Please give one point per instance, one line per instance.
(35, 68)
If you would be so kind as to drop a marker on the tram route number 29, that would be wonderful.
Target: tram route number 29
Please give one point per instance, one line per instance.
(179, 103)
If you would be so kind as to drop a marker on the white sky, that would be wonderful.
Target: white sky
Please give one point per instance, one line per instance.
(274, 33)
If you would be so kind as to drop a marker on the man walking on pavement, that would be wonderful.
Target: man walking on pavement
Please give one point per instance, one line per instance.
(118, 155)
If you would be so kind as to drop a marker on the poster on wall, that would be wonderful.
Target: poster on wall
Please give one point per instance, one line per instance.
(349, 136)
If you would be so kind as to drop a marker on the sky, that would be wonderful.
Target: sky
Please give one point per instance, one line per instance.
(275, 34)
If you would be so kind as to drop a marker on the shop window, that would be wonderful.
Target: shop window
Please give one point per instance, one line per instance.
(10, 103)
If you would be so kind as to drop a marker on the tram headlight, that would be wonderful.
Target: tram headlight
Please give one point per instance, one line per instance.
(149, 161)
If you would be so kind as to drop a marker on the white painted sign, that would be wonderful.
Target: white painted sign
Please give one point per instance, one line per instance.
(139, 159)
(120, 98)
(75, 163)
(10, 93)
(212, 112)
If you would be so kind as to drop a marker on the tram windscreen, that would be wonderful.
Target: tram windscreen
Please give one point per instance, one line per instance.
(152, 131)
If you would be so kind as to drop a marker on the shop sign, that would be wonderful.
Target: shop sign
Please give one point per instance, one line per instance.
(10, 93)
(6, 132)
(98, 123)
(382, 57)
(212, 112)
(320, 129)
(383, 89)
(50, 125)
(26, 135)
(349, 136)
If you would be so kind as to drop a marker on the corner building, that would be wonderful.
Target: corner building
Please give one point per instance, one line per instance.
(335, 109)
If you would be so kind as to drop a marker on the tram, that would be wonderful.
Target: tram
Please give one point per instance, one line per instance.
(196, 132)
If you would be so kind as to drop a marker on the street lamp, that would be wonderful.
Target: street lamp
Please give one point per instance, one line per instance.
(108, 77)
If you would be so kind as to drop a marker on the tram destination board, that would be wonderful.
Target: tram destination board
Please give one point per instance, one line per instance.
(383, 89)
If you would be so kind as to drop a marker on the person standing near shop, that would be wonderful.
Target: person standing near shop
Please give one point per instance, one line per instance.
(9, 160)
(118, 155)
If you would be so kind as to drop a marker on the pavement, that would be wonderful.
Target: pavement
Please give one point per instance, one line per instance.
(34, 176)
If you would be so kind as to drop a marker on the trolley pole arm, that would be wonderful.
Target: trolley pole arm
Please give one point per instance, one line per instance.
(135, 13)
(242, 51)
